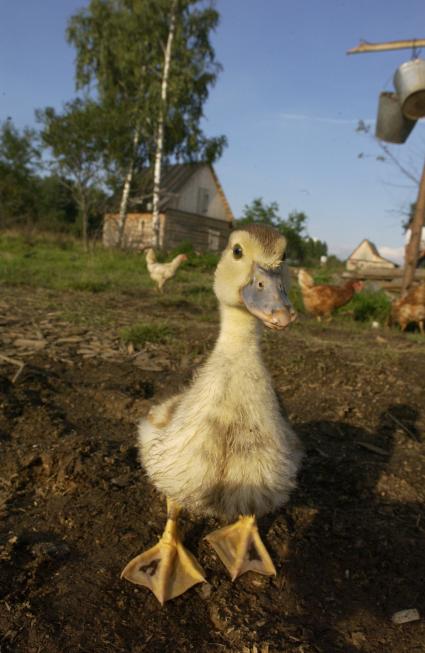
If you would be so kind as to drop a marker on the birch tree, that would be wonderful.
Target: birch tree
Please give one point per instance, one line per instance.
(152, 65)
(159, 146)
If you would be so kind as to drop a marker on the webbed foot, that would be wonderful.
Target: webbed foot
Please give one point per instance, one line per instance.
(167, 568)
(240, 548)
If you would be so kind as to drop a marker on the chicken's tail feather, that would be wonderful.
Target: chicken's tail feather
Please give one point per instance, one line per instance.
(305, 280)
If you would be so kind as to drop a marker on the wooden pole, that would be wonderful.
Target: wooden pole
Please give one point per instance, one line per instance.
(390, 45)
(412, 249)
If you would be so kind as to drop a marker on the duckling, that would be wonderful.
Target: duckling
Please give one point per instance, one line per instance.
(222, 447)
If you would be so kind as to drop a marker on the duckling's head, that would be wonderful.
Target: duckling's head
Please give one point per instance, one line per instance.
(252, 275)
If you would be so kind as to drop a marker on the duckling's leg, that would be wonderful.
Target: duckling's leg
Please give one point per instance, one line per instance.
(167, 568)
(241, 549)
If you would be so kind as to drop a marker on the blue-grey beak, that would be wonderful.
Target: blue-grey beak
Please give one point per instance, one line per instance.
(265, 297)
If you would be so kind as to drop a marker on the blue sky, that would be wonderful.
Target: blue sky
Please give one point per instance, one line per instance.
(288, 100)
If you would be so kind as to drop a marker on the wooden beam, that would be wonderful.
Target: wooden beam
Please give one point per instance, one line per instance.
(390, 45)
(412, 250)
(380, 274)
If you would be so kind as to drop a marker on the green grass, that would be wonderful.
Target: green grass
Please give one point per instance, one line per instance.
(296, 298)
(61, 264)
(142, 332)
(49, 264)
(369, 305)
(206, 261)
(365, 306)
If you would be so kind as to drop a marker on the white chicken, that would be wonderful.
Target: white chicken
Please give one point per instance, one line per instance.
(161, 272)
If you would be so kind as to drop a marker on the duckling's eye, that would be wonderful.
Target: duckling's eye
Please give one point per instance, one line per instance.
(237, 251)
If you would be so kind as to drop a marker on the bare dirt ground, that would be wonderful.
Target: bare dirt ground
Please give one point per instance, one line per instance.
(75, 506)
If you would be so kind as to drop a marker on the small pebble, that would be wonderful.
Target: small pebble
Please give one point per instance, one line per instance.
(404, 616)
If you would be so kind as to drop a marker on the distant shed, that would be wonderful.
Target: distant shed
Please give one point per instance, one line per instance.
(193, 208)
(366, 257)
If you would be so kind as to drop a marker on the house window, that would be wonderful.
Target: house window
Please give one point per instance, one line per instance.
(213, 240)
(203, 200)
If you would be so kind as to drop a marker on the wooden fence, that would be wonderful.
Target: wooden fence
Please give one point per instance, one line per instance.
(389, 279)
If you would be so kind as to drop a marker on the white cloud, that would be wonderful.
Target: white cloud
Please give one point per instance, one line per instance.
(395, 254)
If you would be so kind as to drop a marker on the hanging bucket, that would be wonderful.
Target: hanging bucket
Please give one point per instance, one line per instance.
(409, 82)
(391, 125)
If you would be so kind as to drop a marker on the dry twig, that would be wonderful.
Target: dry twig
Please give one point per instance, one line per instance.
(13, 361)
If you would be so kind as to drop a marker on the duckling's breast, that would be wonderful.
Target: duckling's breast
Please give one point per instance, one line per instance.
(227, 450)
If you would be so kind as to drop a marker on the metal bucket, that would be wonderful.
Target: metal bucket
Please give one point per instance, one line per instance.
(391, 125)
(409, 82)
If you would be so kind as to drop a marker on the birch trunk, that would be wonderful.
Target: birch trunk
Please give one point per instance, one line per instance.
(160, 130)
(122, 218)
(412, 248)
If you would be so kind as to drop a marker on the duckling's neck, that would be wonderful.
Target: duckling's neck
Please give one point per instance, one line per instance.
(239, 331)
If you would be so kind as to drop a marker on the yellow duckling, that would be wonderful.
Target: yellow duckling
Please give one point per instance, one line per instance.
(223, 447)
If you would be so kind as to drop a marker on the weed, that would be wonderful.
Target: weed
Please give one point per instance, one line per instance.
(370, 305)
(296, 298)
(90, 285)
(143, 332)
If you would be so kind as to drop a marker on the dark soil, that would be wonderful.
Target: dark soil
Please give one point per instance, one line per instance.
(75, 506)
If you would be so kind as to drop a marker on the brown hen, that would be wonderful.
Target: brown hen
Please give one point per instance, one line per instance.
(322, 299)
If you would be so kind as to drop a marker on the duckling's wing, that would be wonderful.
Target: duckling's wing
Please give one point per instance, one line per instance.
(161, 415)
(290, 434)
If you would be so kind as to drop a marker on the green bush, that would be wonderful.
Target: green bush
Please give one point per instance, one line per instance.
(296, 298)
(205, 262)
(370, 305)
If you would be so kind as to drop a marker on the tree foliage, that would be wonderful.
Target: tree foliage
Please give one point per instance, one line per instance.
(19, 156)
(261, 213)
(301, 247)
(76, 142)
(119, 52)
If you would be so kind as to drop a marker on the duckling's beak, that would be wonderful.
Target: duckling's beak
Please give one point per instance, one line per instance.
(266, 298)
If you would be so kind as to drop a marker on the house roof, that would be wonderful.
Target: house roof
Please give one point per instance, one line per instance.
(175, 177)
(173, 180)
(374, 250)
(371, 246)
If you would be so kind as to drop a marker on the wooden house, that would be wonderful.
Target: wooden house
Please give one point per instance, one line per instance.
(193, 208)
(366, 257)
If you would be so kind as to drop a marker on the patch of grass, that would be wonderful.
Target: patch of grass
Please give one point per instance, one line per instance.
(197, 289)
(206, 261)
(173, 301)
(369, 305)
(91, 285)
(143, 332)
(50, 264)
(296, 298)
(417, 337)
